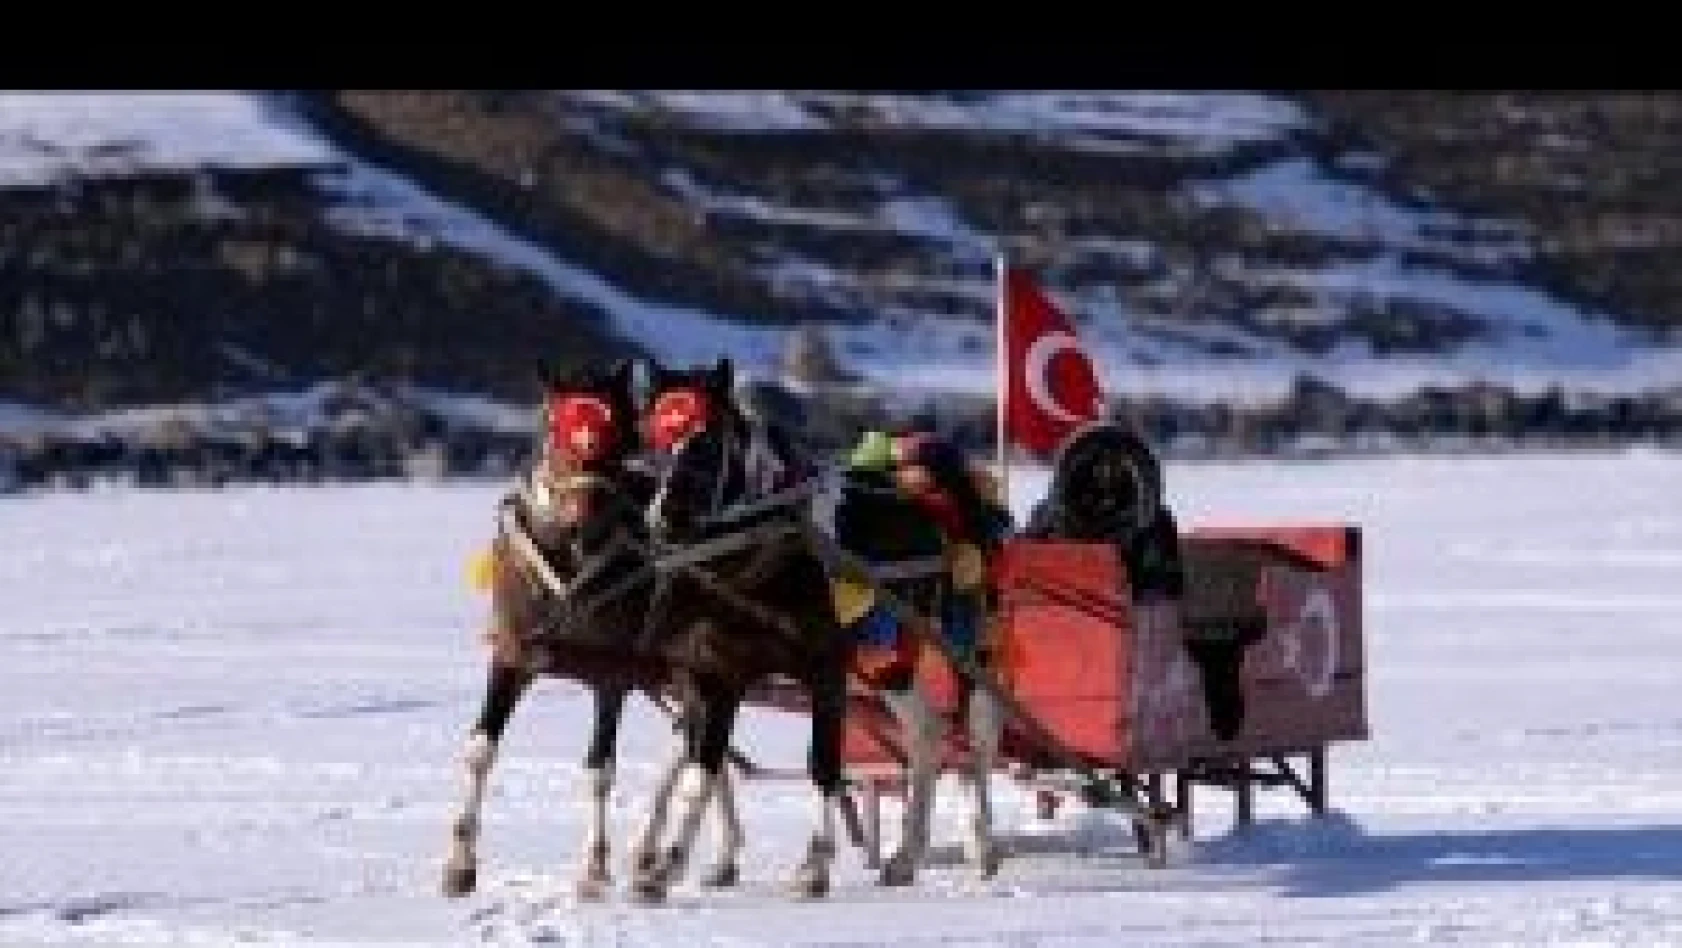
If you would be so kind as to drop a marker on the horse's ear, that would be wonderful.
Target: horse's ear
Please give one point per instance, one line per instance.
(545, 375)
(724, 376)
(622, 374)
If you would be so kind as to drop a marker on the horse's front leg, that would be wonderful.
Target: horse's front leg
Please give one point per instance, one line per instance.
(505, 685)
(697, 783)
(594, 877)
(645, 854)
(726, 869)
(986, 720)
(829, 697)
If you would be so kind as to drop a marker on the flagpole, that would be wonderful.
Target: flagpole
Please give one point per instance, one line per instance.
(1001, 357)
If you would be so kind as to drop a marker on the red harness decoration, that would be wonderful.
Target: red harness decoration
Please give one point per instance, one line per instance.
(581, 427)
(676, 415)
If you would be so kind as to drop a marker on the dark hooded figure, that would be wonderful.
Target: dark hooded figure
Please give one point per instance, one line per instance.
(1106, 486)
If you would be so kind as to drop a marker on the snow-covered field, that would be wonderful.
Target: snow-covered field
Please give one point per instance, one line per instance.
(233, 717)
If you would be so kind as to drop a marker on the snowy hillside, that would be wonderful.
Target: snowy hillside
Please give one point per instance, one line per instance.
(1325, 271)
(1212, 245)
(225, 718)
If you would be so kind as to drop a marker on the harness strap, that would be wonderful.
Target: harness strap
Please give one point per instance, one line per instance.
(541, 484)
(922, 567)
(526, 549)
(768, 555)
(563, 591)
(696, 553)
(788, 496)
(655, 612)
(688, 559)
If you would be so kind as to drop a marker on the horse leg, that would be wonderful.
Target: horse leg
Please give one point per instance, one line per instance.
(985, 722)
(505, 685)
(923, 732)
(829, 705)
(593, 875)
(698, 782)
(725, 871)
(645, 855)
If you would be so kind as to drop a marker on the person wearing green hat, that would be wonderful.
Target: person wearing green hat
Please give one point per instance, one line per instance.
(877, 521)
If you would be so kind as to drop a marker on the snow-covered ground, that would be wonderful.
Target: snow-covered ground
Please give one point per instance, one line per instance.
(234, 717)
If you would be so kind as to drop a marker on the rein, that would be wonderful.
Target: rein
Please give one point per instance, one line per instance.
(787, 497)
(770, 539)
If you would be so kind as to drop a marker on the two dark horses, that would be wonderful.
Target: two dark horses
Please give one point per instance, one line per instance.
(580, 544)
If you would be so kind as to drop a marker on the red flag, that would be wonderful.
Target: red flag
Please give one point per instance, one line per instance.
(1051, 386)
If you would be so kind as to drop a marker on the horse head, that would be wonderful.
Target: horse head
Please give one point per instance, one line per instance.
(589, 431)
(693, 423)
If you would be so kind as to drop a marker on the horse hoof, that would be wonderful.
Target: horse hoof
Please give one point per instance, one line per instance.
(460, 881)
(642, 862)
(649, 891)
(592, 890)
(986, 857)
(722, 876)
(897, 872)
(1151, 834)
(811, 887)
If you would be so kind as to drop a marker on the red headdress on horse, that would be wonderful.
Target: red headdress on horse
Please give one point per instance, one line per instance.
(582, 428)
(586, 413)
(676, 414)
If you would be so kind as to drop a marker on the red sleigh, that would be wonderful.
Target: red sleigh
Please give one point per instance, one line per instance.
(1104, 686)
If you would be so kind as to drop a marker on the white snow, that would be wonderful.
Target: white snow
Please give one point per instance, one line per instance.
(1300, 197)
(235, 717)
(45, 136)
(918, 216)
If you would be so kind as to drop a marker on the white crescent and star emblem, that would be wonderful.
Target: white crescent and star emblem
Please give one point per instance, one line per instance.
(675, 416)
(581, 424)
(584, 439)
(676, 412)
(1037, 362)
(1319, 612)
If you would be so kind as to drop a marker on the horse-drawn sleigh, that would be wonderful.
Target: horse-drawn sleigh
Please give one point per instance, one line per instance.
(706, 581)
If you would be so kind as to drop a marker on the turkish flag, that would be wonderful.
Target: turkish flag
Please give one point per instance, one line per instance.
(1051, 386)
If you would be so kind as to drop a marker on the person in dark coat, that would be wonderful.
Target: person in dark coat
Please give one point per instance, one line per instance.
(1106, 486)
(963, 499)
(875, 520)
(909, 485)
